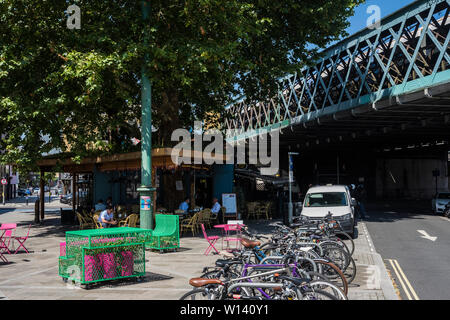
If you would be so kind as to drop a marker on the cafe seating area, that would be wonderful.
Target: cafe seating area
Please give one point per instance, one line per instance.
(259, 210)
(124, 218)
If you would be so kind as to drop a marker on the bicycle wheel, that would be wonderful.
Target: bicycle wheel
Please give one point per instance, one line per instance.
(336, 254)
(213, 274)
(333, 273)
(338, 242)
(350, 271)
(316, 294)
(199, 294)
(350, 240)
(327, 287)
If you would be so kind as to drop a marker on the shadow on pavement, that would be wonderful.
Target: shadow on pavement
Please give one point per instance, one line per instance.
(395, 210)
(149, 277)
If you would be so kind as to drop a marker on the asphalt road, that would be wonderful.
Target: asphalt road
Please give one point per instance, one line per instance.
(404, 234)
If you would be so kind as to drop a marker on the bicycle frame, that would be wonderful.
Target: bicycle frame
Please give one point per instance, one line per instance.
(248, 278)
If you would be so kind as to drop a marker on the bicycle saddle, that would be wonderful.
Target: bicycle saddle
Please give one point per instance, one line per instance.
(250, 244)
(222, 262)
(201, 282)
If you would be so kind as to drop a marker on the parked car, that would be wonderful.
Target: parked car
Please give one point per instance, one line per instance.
(322, 200)
(21, 192)
(36, 190)
(66, 199)
(439, 202)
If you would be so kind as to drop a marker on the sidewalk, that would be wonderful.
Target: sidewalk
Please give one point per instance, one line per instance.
(35, 275)
(372, 280)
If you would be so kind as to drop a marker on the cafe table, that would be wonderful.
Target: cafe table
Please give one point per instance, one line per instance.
(227, 235)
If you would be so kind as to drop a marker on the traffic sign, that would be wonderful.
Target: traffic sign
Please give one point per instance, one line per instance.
(4, 181)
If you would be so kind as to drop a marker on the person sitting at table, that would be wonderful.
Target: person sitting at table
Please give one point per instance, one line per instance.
(106, 218)
(216, 209)
(185, 206)
(100, 206)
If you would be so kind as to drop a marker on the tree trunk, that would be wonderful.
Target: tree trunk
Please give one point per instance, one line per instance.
(171, 120)
(41, 195)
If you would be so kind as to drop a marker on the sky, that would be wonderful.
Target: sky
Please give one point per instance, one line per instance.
(359, 20)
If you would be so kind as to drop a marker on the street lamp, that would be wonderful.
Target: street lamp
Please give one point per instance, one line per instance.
(291, 179)
(146, 189)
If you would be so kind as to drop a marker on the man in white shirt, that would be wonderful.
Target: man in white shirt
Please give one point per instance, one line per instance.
(106, 218)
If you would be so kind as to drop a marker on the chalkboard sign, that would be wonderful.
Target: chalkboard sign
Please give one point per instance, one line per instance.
(229, 201)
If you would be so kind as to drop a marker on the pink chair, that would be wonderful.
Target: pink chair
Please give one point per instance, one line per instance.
(8, 235)
(22, 240)
(211, 240)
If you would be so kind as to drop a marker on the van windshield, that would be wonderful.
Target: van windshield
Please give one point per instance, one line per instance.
(326, 199)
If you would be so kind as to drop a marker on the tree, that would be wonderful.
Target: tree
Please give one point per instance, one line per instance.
(78, 90)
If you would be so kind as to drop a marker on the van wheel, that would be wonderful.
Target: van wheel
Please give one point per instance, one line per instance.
(352, 234)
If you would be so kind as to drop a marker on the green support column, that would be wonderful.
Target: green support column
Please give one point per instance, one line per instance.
(146, 190)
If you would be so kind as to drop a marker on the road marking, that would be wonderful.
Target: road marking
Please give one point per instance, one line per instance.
(425, 235)
(407, 281)
(406, 285)
(400, 279)
(366, 234)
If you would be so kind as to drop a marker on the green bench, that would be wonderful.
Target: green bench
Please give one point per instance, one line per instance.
(166, 234)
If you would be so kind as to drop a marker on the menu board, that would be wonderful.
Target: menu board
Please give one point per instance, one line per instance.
(229, 201)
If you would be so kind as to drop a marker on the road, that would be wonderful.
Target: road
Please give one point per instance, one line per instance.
(414, 244)
(20, 204)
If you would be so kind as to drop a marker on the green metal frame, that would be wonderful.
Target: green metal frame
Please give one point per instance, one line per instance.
(94, 242)
(166, 235)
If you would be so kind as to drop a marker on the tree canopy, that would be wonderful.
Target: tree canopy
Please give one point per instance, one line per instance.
(78, 90)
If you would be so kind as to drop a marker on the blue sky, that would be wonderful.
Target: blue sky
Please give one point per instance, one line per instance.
(358, 21)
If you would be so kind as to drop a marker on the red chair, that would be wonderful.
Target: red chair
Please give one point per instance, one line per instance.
(211, 240)
(8, 235)
(22, 240)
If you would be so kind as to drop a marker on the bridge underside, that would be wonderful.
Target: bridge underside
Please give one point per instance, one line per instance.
(410, 120)
(391, 147)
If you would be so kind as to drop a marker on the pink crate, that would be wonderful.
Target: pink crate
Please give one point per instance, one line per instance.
(62, 249)
(92, 268)
(109, 265)
(127, 263)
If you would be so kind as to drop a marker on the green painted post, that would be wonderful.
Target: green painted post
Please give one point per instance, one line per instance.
(146, 189)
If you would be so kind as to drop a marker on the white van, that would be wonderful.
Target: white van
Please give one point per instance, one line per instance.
(319, 201)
